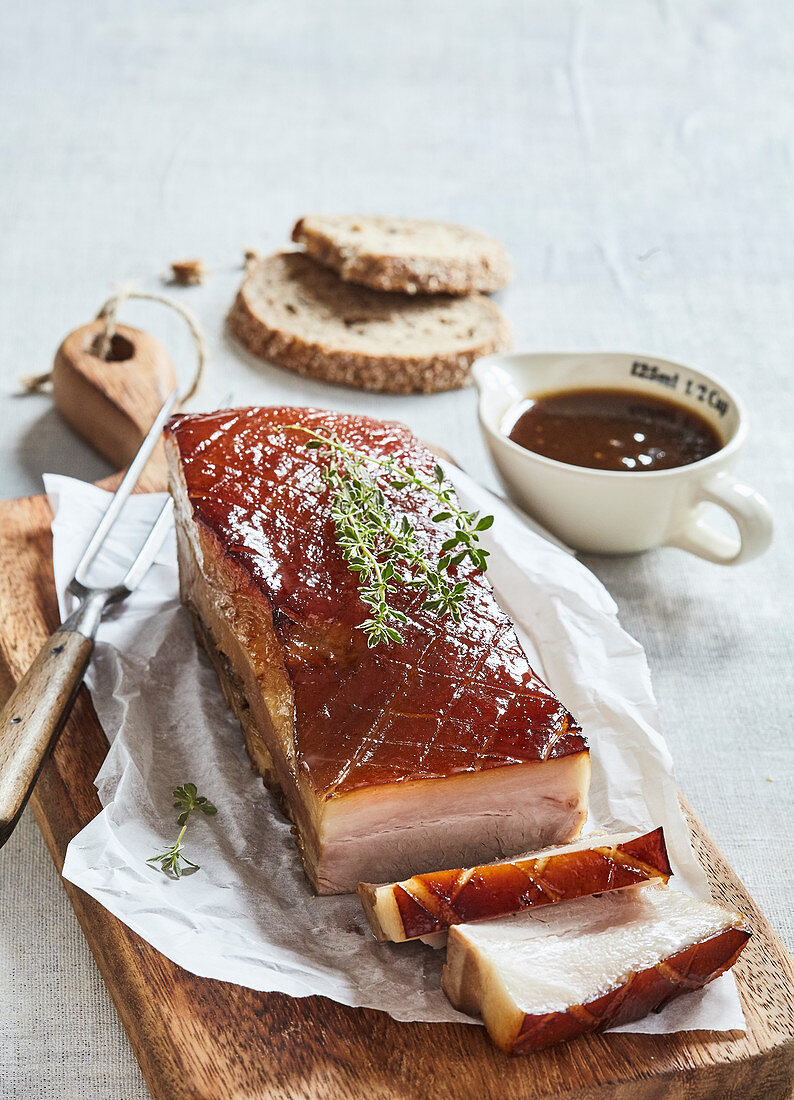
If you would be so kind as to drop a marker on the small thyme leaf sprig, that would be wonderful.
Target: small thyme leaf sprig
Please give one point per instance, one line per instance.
(385, 551)
(187, 799)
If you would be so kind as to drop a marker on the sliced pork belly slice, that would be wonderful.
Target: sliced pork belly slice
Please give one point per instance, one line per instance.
(543, 977)
(444, 750)
(429, 904)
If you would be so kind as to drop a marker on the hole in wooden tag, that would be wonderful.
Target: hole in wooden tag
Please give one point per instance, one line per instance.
(120, 348)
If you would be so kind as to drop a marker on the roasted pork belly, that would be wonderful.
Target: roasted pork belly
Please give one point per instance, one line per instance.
(540, 978)
(429, 904)
(444, 750)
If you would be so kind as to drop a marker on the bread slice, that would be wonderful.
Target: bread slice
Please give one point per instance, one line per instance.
(298, 314)
(405, 254)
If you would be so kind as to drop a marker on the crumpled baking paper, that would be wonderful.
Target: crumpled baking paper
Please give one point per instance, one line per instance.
(248, 915)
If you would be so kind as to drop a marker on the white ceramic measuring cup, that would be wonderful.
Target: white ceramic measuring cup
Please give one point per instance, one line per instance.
(624, 512)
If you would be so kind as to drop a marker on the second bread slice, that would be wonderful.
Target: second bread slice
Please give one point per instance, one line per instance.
(405, 254)
(298, 314)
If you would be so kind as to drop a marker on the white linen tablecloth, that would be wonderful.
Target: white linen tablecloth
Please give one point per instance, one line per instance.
(636, 158)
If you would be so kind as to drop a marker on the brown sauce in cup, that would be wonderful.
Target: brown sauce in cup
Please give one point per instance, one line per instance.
(614, 429)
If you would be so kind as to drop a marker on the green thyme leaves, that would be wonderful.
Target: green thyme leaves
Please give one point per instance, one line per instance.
(173, 860)
(382, 549)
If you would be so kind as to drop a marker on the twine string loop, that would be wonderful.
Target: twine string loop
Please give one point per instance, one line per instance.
(36, 383)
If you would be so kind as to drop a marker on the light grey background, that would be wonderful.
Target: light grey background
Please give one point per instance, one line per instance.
(635, 157)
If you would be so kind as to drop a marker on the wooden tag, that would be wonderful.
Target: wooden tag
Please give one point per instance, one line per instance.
(111, 403)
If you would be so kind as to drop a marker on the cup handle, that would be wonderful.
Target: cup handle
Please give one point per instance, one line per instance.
(746, 507)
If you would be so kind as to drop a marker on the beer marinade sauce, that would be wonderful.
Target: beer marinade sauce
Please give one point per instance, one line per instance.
(613, 429)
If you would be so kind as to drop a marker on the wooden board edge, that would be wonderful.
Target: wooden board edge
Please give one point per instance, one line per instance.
(767, 1074)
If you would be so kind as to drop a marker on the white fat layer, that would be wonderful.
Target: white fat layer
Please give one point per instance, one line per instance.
(401, 829)
(551, 958)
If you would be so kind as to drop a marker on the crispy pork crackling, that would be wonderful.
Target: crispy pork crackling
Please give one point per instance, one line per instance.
(429, 904)
(548, 975)
(444, 751)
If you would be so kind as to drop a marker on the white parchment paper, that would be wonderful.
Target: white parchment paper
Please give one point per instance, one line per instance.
(248, 916)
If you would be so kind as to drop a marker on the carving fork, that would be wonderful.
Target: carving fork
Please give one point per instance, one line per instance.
(34, 715)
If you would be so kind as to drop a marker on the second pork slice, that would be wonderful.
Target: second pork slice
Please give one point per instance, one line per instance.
(298, 314)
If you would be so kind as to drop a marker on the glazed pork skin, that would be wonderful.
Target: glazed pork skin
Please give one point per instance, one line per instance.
(587, 965)
(444, 750)
(427, 905)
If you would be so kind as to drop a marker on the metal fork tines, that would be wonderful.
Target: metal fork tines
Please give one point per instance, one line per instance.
(94, 598)
(32, 718)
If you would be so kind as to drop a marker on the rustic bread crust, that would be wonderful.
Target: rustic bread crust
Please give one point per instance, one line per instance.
(431, 368)
(472, 261)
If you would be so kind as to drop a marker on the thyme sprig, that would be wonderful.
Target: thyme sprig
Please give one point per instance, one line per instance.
(383, 549)
(187, 799)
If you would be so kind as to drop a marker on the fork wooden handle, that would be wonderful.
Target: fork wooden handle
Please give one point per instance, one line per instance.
(32, 719)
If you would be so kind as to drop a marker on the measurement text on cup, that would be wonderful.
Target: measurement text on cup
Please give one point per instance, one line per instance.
(698, 391)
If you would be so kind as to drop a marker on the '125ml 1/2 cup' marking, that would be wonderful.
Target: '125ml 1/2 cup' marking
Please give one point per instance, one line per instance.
(649, 372)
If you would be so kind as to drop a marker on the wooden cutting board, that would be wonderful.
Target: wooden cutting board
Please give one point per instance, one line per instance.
(206, 1040)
